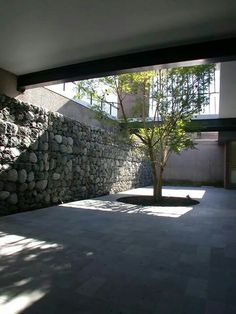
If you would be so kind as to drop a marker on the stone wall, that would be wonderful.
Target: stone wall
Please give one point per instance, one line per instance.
(46, 158)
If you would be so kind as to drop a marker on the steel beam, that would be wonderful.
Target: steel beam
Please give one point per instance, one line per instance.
(208, 52)
(198, 125)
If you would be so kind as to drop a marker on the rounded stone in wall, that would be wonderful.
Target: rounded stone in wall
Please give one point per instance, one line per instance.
(58, 138)
(47, 165)
(33, 158)
(30, 115)
(47, 198)
(35, 145)
(12, 175)
(30, 176)
(4, 195)
(14, 152)
(69, 150)
(56, 176)
(77, 168)
(41, 175)
(6, 166)
(52, 164)
(22, 176)
(23, 187)
(45, 146)
(41, 165)
(55, 199)
(31, 185)
(70, 141)
(14, 141)
(2, 126)
(51, 135)
(64, 140)
(41, 185)
(45, 157)
(63, 148)
(13, 199)
(3, 140)
(39, 197)
(11, 128)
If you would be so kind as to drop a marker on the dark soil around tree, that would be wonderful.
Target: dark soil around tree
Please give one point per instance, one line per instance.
(144, 200)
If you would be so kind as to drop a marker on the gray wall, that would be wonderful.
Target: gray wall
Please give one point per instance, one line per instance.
(45, 98)
(204, 165)
(46, 158)
(8, 83)
(227, 90)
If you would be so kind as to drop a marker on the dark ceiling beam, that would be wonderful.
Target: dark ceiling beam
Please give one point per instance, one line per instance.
(210, 51)
(198, 125)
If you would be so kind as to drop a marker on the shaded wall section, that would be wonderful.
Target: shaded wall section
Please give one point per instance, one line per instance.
(46, 158)
(227, 90)
(201, 166)
(45, 98)
(8, 83)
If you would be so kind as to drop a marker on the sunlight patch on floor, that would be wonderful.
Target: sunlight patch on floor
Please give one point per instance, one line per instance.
(195, 193)
(20, 302)
(13, 244)
(109, 206)
(174, 212)
(114, 206)
(109, 203)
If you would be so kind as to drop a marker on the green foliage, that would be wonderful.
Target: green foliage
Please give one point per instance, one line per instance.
(176, 95)
(90, 89)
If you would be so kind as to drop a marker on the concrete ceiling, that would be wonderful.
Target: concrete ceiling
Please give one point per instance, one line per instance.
(38, 35)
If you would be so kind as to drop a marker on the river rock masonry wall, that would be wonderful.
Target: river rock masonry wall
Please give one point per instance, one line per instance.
(46, 158)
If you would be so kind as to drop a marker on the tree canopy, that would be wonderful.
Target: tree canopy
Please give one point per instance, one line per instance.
(175, 96)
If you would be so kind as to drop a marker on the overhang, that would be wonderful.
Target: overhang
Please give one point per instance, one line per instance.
(102, 37)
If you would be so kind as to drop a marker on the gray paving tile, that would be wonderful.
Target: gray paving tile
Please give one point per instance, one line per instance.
(197, 288)
(194, 305)
(94, 261)
(215, 308)
(90, 287)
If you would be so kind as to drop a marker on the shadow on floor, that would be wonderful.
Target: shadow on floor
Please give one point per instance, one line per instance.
(83, 260)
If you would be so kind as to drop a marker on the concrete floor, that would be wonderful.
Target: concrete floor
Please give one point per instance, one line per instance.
(101, 256)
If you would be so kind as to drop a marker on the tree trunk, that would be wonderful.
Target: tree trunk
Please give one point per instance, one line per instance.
(159, 184)
(157, 177)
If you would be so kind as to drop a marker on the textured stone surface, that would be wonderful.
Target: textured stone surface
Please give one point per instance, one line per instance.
(100, 256)
(30, 176)
(41, 185)
(22, 175)
(14, 151)
(13, 199)
(56, 176)
(33, 158)
(4, 195)
(46, 158)
(12, 175)
(58, 138)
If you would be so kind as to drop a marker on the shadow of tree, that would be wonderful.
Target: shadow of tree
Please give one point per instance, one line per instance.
(59, 257)
(67, 258)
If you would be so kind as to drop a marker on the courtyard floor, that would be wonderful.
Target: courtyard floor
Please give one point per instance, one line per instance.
(101, 256)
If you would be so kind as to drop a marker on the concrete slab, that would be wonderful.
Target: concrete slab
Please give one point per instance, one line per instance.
(102, 256)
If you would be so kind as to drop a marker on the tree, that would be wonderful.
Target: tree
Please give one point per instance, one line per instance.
(176, 95)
